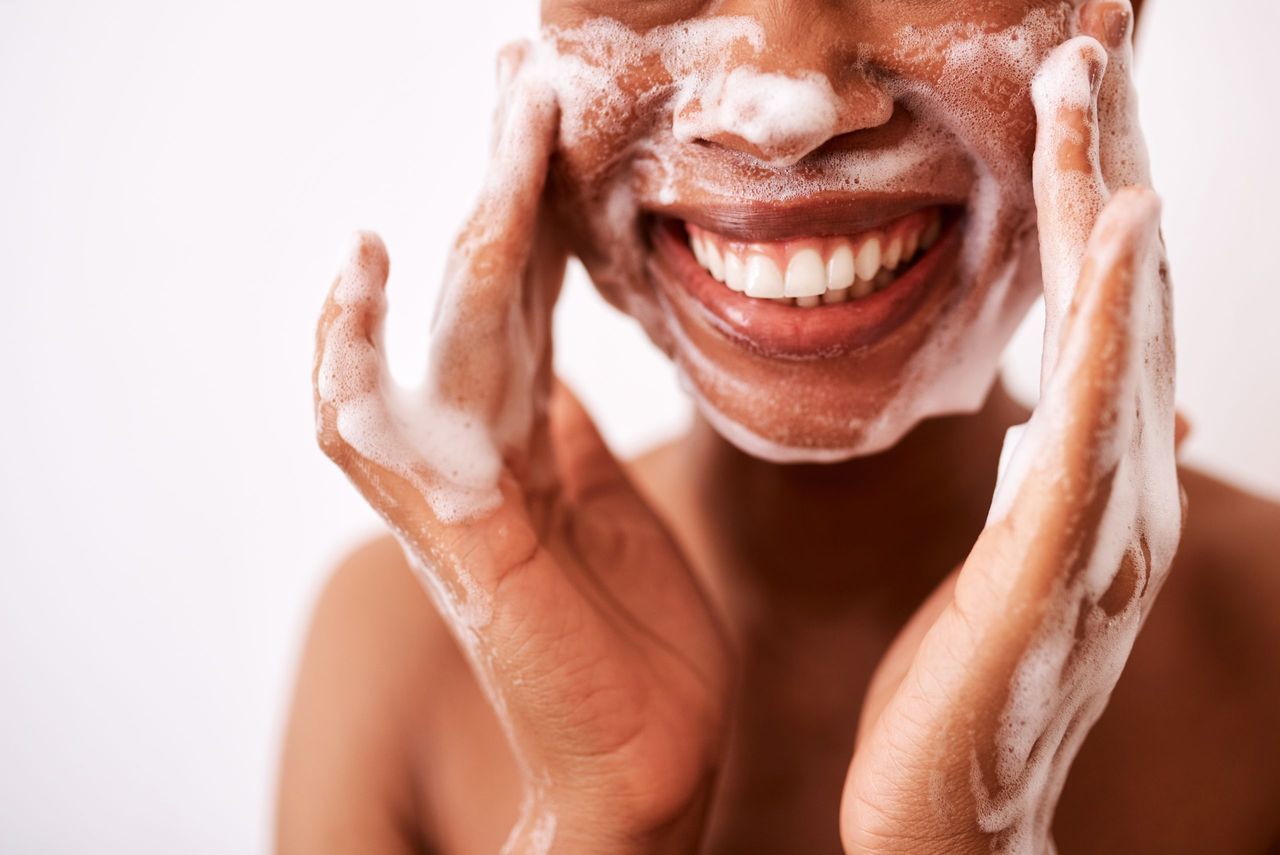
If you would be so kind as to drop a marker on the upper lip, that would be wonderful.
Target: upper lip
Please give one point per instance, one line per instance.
(819, 215)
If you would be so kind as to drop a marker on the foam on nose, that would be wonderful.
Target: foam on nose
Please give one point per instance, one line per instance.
(783, 117)
(713, 84)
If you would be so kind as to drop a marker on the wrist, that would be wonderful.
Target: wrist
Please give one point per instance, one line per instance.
(586, 824)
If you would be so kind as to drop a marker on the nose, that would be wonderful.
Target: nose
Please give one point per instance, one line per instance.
(802, 88)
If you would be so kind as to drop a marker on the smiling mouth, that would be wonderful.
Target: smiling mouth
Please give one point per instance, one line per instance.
(812, 272)
(805, 297)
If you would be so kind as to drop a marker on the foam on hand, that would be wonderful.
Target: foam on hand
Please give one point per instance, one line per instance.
(441, 451)
(451, 450)
(954, 371)
(1065, 675)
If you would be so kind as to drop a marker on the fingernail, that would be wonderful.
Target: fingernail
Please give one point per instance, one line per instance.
(1108, 21)
(1115, 26)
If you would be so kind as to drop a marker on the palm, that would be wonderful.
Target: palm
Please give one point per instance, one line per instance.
(627, 647)
(577, 611)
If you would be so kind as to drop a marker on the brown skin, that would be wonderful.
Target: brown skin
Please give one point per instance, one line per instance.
(392, 748)
(611, 665)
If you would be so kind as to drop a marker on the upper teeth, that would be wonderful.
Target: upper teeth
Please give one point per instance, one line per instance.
(810, 271)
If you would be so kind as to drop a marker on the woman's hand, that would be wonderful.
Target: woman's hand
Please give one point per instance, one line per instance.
(580, 616)
(976, 713)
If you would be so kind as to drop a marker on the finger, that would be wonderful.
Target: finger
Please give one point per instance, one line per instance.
(586, 466)
(462, 523)
(1122, 147)
(637, 571)
(1047, 570)
(390, 452)
(1066, 171)
(1018, 665)
(1057, 487)
(488, 344)
(348, 366)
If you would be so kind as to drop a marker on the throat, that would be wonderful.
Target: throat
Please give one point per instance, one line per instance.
(874, 533)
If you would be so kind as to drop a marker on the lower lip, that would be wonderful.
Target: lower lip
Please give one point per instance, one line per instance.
(790, 332)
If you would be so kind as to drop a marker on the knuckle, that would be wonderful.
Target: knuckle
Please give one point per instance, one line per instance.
(329, 438)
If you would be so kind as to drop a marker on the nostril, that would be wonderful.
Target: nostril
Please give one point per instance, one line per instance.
(885, 135)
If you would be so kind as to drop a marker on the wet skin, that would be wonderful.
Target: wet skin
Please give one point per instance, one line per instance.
(733, 721)
(822, 403)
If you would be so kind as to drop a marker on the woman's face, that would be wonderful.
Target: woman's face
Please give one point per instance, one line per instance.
(821, 211)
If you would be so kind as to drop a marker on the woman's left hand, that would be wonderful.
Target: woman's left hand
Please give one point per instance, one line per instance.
(977, 712)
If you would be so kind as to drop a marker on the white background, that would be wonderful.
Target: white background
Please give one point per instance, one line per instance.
(176, 183)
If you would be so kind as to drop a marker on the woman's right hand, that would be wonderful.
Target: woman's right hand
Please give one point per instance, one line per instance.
(977, 712)
(581, 618)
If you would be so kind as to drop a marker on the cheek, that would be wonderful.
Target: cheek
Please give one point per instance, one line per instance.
(597, 213)
(611, 87)
(966, 88)
(974, 80)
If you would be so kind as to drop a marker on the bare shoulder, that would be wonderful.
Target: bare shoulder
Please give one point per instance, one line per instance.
(1228, 568)
(1220, 512)
(362, 744)
(1223, 599)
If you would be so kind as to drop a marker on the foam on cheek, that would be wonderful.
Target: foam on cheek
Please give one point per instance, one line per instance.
(970, 59)
(584, 64)
(711, 88)
(582, 67)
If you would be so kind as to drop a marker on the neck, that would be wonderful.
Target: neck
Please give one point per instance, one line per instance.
(879, 531)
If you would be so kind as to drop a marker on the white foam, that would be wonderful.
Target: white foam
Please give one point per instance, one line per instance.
(1051, 703)
(439, 450)
(452, 452)
(713, 86)
(1074, 658)
(1065, 676)
(448, 437)
(784, 117)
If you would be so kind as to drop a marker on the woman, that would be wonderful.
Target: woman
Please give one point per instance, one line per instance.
(805, 626)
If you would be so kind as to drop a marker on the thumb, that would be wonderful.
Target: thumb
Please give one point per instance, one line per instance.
(587, 467)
